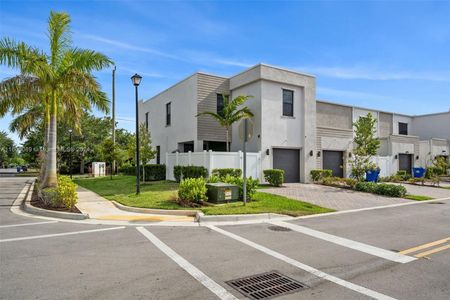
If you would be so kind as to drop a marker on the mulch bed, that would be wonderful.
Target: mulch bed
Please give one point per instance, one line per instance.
(37, 202)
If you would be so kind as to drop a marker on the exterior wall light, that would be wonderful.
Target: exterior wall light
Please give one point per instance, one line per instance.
(311, 153)
(350, 155)
(396, 156)
(417, 157)
(267, 151)
(318, 153)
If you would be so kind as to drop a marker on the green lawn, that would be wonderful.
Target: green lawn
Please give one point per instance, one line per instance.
(418, 197)
(162, 195)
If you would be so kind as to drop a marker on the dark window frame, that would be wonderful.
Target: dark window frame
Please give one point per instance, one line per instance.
(168, 114)
(285, 103)
(146, 120)
(158, 155)
(220, 104)
(402, 128)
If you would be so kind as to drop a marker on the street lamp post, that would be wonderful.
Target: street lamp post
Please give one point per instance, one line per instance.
(136, 79)
(70, 152)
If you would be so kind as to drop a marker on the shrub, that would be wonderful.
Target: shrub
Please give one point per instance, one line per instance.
(65, 195)
(181, 172)
(227, 171)
(274, 176)
(213, 179)
(403, 175)
(367, 187)
(339, 182)
(390, 190)
(127, 169)
(192, 190)
(252, 184)
(155, 172)
(319, 175)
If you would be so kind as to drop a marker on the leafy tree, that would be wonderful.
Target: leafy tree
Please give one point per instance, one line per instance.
(233, 111)
(147, 153)
(109, 152)
(366, 146)
(50, 82)
(7, 149)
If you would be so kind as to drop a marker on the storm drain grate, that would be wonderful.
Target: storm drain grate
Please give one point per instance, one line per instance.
(278, 228)
(266, 285)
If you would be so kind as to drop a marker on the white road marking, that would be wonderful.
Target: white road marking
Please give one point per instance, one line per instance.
(210, 284)
(58, 234)
(27, 224)
(309, 269)
(386, 254)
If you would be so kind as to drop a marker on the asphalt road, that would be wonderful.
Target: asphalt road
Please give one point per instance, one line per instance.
(342, 256)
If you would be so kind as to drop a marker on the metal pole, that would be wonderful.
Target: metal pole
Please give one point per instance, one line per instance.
(70, 157)
(113, 168)
(138, 181)
(245, 162)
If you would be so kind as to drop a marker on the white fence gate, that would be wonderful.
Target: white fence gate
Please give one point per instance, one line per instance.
(385, 165)
(215, 160)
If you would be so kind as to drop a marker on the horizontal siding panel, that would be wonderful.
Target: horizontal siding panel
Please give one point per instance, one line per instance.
(334, 132)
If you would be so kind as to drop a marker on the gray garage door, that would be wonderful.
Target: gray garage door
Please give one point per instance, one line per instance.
(289, 161)
(334, 160)
(405, 162)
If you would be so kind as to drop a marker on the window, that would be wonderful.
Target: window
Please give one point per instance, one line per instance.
(220, 104)
(402, 128)
(168, 114)
(146, 121)
(158, 155)
(288, 103)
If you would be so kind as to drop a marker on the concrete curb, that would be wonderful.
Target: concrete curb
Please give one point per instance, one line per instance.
(189, 213)
(201, 218)
(49, 213)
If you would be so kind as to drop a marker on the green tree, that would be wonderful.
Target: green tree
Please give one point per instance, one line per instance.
(233, 111)
(147, 153)
(365, 146)
(61, 78)
(7, 149)
(109, 153)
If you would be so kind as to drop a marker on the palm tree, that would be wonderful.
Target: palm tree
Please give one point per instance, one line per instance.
(233, 111)
(54, 85)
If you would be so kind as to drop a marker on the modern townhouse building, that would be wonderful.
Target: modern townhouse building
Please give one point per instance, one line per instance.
(292, 130)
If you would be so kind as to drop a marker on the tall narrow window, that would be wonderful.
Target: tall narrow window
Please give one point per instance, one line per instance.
(168, 114)
(220, 104)
(146, 121)
(288, 103)
(402, 128)
(158, 155)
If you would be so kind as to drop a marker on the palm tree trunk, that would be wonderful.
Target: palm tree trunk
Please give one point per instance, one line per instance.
(50, 161)
(43, 174)
(227, 138)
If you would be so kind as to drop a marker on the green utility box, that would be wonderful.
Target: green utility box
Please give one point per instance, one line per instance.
(222, 192)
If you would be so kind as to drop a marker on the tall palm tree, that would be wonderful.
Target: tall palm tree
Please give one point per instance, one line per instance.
(233, 111)
(63, 83)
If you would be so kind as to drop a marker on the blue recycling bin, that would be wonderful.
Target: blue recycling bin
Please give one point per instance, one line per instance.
(19, 169)
(372, 175)
(419, 172)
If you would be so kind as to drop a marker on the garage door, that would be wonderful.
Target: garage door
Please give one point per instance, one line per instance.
(289, 161)
(405, 162)
(334, 160)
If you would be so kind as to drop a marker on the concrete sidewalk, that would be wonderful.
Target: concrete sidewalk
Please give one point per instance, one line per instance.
(100, 208)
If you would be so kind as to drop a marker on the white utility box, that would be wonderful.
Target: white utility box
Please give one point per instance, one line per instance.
(98, 169)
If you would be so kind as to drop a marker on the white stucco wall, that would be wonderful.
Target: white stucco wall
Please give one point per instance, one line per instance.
(360, 112)
(432, 126)
(183, 128)
(403, 119)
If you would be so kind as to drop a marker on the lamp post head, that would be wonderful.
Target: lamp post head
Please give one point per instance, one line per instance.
(136, 79)
(70, 131)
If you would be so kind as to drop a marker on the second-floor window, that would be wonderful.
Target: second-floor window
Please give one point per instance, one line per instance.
(402, 128)
(220, 104)
(168, 114)
(146, 120)
(288, 103)
(158, 155)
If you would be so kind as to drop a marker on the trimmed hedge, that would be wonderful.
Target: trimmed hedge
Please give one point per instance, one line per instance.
(390, 190)
(319, 175)
(227, 171)
(153, 172)
(182, 172)
(274, 177)
(251, 185)
(192, 190)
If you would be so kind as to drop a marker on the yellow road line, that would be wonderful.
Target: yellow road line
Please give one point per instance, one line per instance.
(433, 251)
(425, 246)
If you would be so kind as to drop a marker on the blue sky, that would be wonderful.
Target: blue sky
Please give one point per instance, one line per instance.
(393, 56)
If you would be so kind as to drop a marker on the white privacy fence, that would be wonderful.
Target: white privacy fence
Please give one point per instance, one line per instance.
(215, 160)
(385, 165)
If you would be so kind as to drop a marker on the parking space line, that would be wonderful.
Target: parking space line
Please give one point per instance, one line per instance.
(425, 246)
(58, 234)
(435, 250)
(304, 267)
(27, 224)
(210, 284)
(375, 251)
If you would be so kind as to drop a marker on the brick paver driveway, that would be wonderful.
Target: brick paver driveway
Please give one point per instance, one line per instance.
(330, 197)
